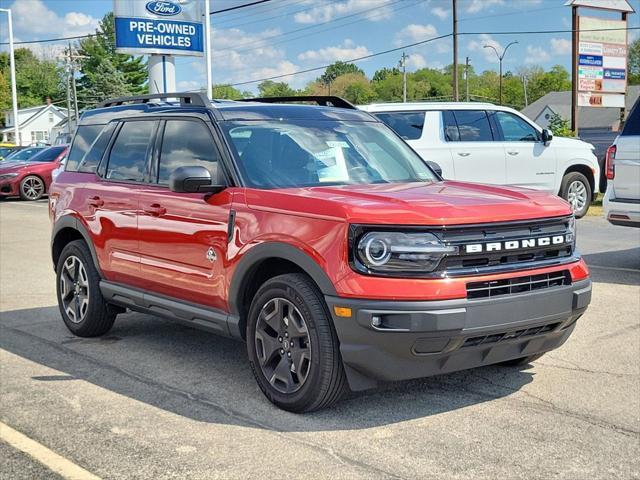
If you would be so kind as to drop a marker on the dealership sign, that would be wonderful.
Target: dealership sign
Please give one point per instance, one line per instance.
(159, 27)
(602, 62)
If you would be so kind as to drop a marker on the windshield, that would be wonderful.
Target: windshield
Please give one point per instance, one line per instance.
(48, 154)
(304, 153)
(24, 154)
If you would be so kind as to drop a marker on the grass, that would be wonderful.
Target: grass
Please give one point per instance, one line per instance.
(596, 210)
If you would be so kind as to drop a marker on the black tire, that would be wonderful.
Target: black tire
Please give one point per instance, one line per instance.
(519, 362)
(569, 182)
(325, 379)
(95, 317)
(35, 193)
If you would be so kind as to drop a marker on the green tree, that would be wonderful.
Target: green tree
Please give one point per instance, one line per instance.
(337, 69)
(227, 92)
(269, 88)
(101, 49)
(560, 126)
(634, 62)
(383, 73)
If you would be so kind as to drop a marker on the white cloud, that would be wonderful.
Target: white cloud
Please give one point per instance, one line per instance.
(488, 53)
(560, 46)
(536, 55)
(475, 6)
(376, 10)
(415, 33)
(346, 51)
(416, 61)
(441, 13)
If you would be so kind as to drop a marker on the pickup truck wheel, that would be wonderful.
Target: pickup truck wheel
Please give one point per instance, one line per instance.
(576, 190)
(83, 309)
(519, 362)
(292, 345)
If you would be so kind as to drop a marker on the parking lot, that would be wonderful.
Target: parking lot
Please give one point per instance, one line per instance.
(154, 399)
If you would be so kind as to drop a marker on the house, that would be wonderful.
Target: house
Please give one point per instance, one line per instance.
(35, 124)
(598, 126)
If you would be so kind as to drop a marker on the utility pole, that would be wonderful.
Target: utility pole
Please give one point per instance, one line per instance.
(500, 58)
(524, 84)
(14, 94)
(466, 79)
(455, 49)
(403, 65)
(72, 92)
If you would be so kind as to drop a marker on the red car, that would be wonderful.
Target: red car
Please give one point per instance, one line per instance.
(315, 234)
(30, 179)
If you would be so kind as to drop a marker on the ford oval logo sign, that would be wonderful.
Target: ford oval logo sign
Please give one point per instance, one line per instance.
(166, 9)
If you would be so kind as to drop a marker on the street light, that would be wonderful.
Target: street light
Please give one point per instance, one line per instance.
(500, 57)
(14, 93)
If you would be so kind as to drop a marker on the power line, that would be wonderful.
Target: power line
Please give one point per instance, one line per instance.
(237, 7)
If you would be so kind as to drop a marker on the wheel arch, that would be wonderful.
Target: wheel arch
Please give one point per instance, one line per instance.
(586, 171)
(265, 261)
(67, 229)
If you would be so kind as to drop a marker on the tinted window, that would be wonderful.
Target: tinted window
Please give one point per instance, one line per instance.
(81, 144)
(25, 154)
(451, 133)
(406, 124)
(128, 157)
(632, 125)
(186, 143)
(515, 129)
(48, 154)
(473, 125)
(92, 158)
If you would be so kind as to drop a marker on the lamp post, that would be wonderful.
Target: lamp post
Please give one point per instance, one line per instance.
(14, 93)
(207, 41)
(500, 57)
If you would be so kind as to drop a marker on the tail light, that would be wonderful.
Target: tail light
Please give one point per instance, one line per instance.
(610, 167)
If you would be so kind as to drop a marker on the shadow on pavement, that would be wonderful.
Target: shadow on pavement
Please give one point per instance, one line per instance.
(619, 266)
(207, 378)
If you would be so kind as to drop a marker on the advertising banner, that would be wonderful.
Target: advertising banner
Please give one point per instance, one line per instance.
(159, 27)
(600, 100)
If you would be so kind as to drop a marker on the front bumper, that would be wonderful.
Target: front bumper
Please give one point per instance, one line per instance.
(9, 188)
(400, 340)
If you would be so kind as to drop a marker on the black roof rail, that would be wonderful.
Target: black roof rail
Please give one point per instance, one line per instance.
(197, 99)
(322, 100)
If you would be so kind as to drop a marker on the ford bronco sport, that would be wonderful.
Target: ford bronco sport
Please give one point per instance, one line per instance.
(312, 232)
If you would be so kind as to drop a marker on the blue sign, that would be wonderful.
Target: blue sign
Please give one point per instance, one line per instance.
(163, 36)
(615, 73)
(165, 9)
(591, 60)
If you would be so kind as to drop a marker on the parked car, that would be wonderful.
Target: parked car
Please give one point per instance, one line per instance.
(487, 143)
(30, 179)
(7, 149)
(312, 232)
(622, 199)
(23, 154)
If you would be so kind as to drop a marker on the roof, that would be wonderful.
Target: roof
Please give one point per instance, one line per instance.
(617, 5)
(588, 117)
(404, 106)
(38, 111)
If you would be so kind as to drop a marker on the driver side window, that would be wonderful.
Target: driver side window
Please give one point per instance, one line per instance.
(515, 129)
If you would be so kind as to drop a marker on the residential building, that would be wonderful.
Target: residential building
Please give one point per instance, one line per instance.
(36, 124)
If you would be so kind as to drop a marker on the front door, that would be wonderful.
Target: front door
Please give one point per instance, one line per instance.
(183, 236)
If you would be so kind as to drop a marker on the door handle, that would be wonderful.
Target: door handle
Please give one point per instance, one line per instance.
(464, 154)
(96, 202)
(513, 153)
(155, 210)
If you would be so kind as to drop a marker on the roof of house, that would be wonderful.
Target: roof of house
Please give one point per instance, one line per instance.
(38, 111)
(588, 117)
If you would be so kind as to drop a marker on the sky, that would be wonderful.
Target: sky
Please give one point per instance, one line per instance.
(285, 36)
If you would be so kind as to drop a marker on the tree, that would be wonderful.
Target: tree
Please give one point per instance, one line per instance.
(269, 88)
(560, 127)
(337, 69)
(634, 62)
(101, 49)
(383, 73)
(354, 87)
(227, 92)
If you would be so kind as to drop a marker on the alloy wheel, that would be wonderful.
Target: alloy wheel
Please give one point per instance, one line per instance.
(74, 289)
(283, 345)
(577, 195)
(32, 188)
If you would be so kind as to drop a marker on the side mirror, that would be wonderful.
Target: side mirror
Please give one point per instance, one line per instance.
(435, 167)
(192, 180)
(547, 136)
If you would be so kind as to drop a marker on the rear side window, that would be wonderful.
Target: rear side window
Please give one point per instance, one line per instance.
(186, 144)
(128, 157)
(473, 126)
(90, 161)
(632, 125)
(406, 124)
(85, 136)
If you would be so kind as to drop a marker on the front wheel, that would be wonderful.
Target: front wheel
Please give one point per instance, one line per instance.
(576, 190)
(292, 345)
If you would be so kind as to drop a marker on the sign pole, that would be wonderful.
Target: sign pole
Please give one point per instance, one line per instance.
(574, 69)
(162, 73)
(207, 46)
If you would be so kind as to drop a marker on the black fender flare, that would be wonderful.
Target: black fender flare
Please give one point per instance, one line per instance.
(281, 250)
(70, 221)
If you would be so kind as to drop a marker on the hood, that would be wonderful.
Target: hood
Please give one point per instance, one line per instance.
(566, 142)
(440, 203)
(10, 167)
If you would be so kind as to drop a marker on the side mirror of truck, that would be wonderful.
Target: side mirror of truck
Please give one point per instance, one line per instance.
(193, 180)
(435, 167)
(547, 136)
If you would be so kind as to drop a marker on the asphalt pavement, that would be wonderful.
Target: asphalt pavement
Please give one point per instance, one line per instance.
(153, 399)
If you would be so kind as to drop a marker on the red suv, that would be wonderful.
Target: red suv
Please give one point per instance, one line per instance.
(315, 234)
(30, 179)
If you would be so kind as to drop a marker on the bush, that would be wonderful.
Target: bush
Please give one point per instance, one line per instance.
(560, 127)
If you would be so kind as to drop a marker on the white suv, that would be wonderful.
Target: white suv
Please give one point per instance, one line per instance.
(486, 143)
(622, 200)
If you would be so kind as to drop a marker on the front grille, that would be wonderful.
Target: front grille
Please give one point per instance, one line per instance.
(510, 286)
(501, 337)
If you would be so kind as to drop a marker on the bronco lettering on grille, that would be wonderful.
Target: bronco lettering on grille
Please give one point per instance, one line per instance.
(519, 244)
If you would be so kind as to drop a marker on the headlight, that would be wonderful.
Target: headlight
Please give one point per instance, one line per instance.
(398, 252)
(7, 176)
(571, 231)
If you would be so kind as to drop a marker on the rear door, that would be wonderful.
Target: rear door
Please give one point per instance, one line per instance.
(626, 183)
(477, 157)
(529, 162)
(183, 236)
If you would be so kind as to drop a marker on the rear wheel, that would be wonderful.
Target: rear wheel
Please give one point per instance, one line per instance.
(31, 188)
(576, 190)
(81, 304)
(292, 345)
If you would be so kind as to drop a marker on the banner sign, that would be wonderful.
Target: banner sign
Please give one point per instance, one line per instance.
(159, 27)
(602, 62)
